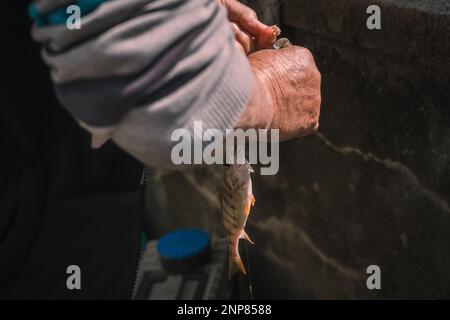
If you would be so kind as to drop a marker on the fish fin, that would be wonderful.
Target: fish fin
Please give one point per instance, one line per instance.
(247, 208)
(245, 236)
(235, 265)
(253, 200)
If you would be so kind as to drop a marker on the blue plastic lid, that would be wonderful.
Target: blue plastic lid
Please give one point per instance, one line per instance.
(182, 244)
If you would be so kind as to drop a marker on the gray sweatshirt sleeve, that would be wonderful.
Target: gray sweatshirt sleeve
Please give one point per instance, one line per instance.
(139, 69)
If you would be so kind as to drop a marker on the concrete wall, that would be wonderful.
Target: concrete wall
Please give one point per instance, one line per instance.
(373, 186)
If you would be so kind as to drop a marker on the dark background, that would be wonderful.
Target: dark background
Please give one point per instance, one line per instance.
(61, 203)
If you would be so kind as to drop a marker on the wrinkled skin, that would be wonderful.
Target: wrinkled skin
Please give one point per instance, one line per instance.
(286, 94)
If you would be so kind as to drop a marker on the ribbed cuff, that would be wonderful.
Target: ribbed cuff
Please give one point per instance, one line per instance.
(230, 97)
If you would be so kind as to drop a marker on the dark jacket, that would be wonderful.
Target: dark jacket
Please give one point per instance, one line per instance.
(61, 203)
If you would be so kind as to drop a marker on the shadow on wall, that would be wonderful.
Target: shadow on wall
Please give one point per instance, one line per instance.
(372, 187)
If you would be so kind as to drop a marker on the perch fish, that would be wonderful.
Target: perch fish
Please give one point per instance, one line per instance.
(237, 199)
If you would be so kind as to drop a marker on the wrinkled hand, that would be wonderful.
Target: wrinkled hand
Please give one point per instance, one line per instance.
(286, 95)
(251, 34)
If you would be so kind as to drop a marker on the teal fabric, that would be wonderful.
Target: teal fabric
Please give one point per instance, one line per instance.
(34, 14)
(59, 16)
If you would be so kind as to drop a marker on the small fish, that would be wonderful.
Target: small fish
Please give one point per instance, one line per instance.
(237, 198)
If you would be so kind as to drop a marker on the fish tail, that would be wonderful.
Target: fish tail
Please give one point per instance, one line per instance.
(235, 265)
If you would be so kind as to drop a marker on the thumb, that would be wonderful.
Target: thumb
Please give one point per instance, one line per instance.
(248, 21)
(244, 16)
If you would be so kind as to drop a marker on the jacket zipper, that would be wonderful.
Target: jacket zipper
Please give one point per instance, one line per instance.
(143, 191)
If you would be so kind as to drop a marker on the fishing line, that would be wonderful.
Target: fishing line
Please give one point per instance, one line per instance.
(250, 286)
